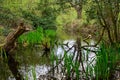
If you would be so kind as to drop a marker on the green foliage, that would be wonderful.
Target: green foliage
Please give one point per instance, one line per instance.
(64, 18)
(47, 22)
(70, 66)
(38, 36)
(68, 63)
(50, 33)
(32, 37)
(26, 77)
(34, 73)
(30, 11)
(90, 11)
(108, 13)
(6, 17)
(76, 66)
(4, 69)
(106, 61)
(52, 58)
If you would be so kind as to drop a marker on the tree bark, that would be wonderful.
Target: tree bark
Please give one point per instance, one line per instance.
(8, 46)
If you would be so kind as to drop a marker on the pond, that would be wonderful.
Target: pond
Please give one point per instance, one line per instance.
(33, 65)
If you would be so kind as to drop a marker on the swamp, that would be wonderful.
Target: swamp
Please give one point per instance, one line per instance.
(59, 40)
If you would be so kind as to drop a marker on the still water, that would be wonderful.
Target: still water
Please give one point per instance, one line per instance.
(31, 61)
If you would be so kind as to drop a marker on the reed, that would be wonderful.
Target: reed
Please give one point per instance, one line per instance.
(106, 61)
(34, 73)
(32, 37)
(38, 36)
(52, 58)
(4, 69)
(26, 77)
(107, 57)
(76, 69)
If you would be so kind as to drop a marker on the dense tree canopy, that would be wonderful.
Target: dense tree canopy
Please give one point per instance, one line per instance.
(45, 13)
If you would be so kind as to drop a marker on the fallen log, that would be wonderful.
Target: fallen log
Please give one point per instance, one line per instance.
(9, 45)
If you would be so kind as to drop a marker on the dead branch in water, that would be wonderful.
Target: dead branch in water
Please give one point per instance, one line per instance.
(78, 58)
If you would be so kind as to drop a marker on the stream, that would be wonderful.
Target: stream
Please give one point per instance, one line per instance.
(35, 65)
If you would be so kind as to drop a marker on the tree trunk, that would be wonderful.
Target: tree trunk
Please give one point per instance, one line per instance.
(109, 35)
(79, 13)
(8, 46)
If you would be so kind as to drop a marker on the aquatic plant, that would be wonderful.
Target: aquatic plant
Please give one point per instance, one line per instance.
(26, 77)
(34, 73)
(4, 68)
(68, 64)
(101, 67)
(32, 37)
(76, 68)
(105, 66)
(38, 36)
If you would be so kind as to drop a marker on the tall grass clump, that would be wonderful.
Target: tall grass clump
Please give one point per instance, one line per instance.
(38, 36)
(68, 64)
(34, 73)
(70, 68)
(32, 37)
(4, 68)
(26, 77)
(106, 60)
(49, 37)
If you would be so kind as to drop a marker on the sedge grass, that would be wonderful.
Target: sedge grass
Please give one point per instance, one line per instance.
(105, 63)
(32, 37)
(38, 36)
(4, 69)
(34, 73)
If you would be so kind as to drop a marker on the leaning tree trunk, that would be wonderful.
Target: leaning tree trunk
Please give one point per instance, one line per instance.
(9, 45)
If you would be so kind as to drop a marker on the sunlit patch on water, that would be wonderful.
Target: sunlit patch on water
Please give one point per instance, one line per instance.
(59, 51)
